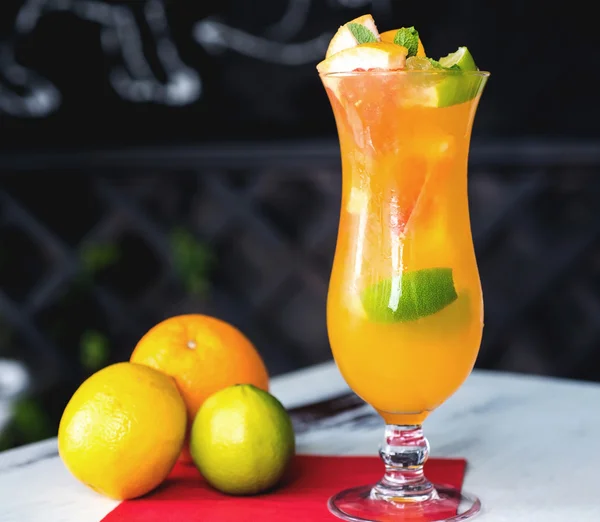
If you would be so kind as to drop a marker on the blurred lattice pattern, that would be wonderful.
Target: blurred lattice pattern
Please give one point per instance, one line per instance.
(95, 248)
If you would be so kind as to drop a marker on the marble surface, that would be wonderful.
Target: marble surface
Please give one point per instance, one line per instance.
(14, 380)
(531, 443)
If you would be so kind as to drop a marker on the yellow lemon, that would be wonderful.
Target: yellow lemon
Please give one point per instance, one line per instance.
(122, 430)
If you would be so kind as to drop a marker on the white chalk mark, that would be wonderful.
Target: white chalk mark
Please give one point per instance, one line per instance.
(292, 22)
(26, 94)
(216, 36)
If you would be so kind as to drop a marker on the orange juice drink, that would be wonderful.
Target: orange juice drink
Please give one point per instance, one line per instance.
(404, 307)
(405, 311)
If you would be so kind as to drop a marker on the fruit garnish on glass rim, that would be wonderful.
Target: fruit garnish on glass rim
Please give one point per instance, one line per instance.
(368, 56)
(358, 46)
(398, 35)
(355, 32)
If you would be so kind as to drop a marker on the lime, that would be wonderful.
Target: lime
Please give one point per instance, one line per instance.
(462, 58)
(416, 294)
(457, 88)
(242, 440)
(446, 88)
(451, 86)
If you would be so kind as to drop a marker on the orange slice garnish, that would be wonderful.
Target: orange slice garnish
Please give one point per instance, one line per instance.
(344, 39)
(366, 57)
(389, 36)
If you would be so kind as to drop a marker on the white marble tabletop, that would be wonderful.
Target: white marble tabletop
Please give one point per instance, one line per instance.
(532, 445)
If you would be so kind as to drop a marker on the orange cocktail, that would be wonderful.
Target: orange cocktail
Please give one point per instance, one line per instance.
(404, 308)
(405, 311)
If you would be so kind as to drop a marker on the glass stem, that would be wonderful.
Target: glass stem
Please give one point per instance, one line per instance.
(404, 451)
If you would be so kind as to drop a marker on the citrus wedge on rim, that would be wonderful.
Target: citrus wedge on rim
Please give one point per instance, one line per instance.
(449, 88)
(458, 83)
(369, 56)
(388, 36)
(344, 37)
(462, 58)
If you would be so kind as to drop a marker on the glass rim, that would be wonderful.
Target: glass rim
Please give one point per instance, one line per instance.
(404, 72)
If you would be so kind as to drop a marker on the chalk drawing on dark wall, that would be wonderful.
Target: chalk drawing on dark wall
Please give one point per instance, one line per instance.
(273, 46)
(25, 93)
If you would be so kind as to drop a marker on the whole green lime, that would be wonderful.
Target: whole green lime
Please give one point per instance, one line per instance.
(242, 440)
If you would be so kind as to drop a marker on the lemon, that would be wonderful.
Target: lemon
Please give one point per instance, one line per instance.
(122, 430)
(242, 440)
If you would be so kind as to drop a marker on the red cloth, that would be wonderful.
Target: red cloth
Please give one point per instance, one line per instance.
(302, 496)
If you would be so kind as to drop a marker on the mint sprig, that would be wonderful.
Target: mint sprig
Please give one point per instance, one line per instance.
(361, 33)
(408, 37)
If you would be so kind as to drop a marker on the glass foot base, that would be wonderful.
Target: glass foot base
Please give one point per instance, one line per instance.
(357, 505)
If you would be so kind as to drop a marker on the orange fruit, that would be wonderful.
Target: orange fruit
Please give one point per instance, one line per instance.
(203, 354)
(344, 39)
(122, 430)
(377, 55)
(388, 36)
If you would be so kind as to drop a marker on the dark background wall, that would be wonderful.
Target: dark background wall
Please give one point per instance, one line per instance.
(253, 63)
(169, 156)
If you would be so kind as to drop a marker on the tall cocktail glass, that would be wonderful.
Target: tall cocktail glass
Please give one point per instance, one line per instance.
(405, 306)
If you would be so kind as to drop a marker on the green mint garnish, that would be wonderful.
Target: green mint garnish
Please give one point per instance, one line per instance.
(361, 33)
(408, 37)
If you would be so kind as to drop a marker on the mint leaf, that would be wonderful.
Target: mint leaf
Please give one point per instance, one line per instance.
(361, 33)
(408, 37)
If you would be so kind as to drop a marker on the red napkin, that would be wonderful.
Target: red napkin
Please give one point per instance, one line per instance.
(303, 495)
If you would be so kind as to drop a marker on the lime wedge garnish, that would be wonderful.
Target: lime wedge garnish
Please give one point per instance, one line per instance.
(451, 87)
(455, 88)
(417, 294)
(462, 58)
